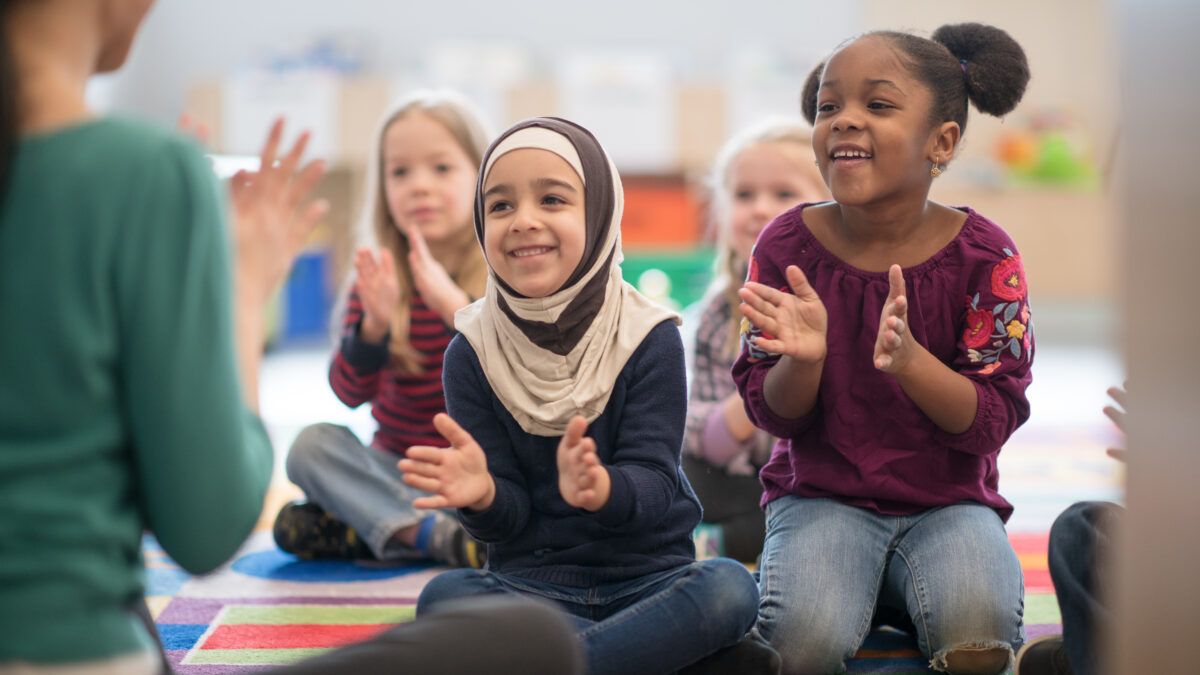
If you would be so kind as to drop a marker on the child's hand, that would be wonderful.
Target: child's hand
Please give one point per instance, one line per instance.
(194, 128)
(1117, 413)
(894, 346)
(793, 324)
(379, 291)
(456, 476)
(583, 482)
(272, 216)
(433, 283)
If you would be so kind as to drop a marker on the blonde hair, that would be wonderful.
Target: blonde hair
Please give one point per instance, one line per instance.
(454, 112)
(729, 268)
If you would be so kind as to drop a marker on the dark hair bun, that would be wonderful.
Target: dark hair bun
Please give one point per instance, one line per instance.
(996, 68)
(808, 95)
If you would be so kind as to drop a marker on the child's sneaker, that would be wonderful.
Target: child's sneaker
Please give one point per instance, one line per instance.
(443, 538)
(1046, 655)
(306, 531)
(750, 656)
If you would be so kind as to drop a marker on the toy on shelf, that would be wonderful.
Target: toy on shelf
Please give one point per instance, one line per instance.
(1050, 149)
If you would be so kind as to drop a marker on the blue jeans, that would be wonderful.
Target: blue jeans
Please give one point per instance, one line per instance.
(1080, 559)
(831, 571)
(356, 484)
(657, 623)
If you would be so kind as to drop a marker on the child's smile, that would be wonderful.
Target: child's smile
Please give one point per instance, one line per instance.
(534, 221)
(872, 132)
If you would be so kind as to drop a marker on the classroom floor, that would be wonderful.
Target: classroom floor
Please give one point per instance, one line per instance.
(266, 608)
(1055, 459)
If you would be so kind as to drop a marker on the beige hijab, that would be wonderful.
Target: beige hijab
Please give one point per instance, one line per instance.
(549, 359)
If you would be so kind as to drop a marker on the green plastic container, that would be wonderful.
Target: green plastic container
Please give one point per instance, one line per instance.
(689, 272)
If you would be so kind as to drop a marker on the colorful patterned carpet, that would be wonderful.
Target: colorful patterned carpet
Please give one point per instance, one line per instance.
(267, 608)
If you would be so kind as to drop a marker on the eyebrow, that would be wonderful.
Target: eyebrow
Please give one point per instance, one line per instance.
(873, 83)
(886, 83)
(440, 155)
(538, 184)
(546, 183)
(503, 188)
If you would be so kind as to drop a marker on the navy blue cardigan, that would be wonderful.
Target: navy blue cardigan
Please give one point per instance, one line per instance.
(647, 524)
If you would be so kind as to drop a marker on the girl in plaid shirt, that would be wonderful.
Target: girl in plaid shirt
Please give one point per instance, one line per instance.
(761, 172)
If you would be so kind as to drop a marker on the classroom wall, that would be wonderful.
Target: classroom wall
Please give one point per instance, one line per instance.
(1067, 235)
(183, 42)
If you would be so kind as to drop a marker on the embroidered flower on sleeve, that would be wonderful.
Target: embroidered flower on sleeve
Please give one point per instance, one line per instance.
(1008, 278)
(979, 327)
(1003, 330)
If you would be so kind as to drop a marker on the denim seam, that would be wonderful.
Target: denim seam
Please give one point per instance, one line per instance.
(765, 580)
(382, 533)
(637, 609)
(918, 581)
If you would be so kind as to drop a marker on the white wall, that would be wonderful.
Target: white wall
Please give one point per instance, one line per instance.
(186, 40)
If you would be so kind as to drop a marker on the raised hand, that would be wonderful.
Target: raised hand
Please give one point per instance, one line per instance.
(378, 289)
(457, 477)
(1117, 414)
(793, 324)
(894, 345)
(583, 482)
(194, 128)
(272, 215)
(434, 284)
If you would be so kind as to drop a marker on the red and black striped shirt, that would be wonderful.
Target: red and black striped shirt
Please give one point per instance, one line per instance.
(402, 403)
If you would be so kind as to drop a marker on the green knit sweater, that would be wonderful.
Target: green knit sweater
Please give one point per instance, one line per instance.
(120, 405)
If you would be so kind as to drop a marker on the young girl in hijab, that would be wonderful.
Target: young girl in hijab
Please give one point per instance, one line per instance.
(566, 398)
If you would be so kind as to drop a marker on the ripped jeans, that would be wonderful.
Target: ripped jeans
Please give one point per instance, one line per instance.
(831, 571)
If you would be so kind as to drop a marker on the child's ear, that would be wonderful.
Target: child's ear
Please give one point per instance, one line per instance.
(943, 141)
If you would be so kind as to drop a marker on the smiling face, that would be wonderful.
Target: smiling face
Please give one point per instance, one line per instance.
(428, 178)
(872, 135)
(764, 180)
(534, 222)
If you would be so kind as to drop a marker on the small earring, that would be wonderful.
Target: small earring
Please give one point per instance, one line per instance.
(817, 162)
(935, 171)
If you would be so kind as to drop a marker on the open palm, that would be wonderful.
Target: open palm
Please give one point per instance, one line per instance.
(377, 285)
(272, 214)
(456, 477)
(793, 324)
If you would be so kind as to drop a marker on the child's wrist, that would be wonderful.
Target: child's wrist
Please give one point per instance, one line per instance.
(911, 364)
(371, 330)
(487, 500)
(603, 492)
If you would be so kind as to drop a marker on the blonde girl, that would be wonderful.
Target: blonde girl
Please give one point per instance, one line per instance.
(761, 172)
(396, 325)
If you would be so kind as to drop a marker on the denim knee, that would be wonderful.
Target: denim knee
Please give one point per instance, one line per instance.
(733, 597)
(311, 450)
(460, 583)
(809, 647)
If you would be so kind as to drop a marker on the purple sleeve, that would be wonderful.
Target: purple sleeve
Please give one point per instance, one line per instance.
(995, 351)
(751, 368)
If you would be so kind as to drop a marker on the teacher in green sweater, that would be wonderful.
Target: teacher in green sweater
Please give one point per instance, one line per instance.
(129, 352)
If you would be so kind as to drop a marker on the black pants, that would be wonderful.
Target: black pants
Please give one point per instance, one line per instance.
(1081, 567)
(732, 503)
(481, 635)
